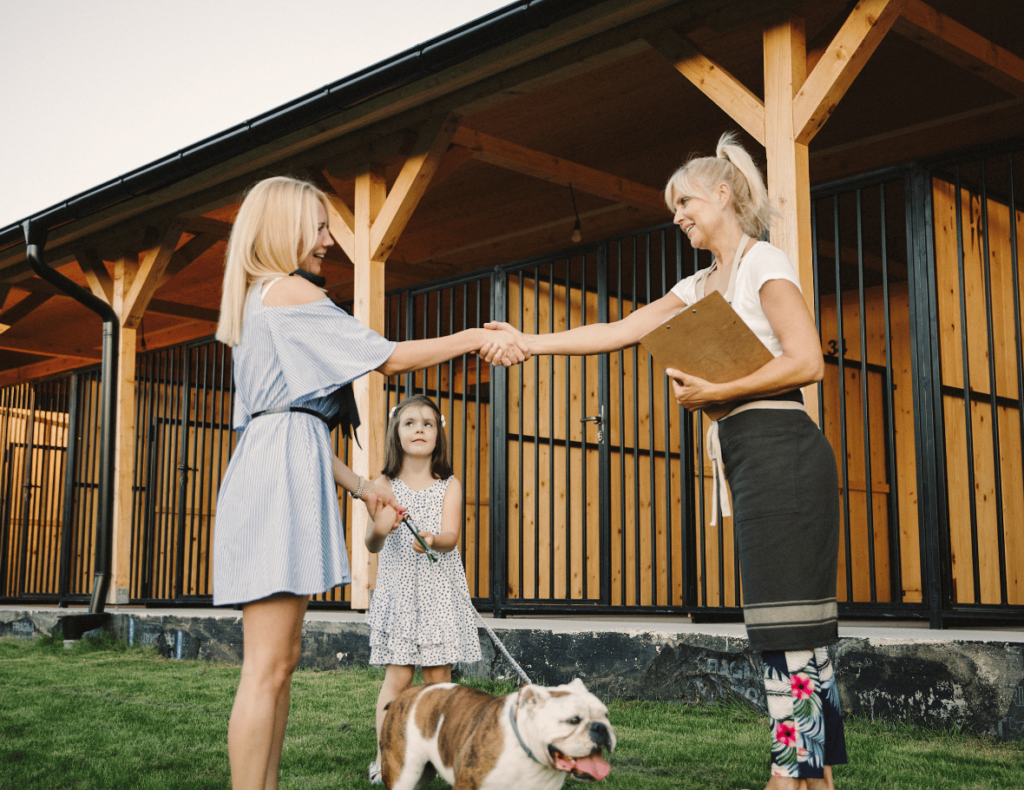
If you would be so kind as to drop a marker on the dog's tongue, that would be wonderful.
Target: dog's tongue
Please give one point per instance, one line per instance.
(592, 766)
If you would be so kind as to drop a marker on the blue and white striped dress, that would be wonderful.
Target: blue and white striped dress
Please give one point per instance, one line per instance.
(278, 526)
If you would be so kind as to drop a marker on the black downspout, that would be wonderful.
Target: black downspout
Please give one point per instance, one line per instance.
(35, 240)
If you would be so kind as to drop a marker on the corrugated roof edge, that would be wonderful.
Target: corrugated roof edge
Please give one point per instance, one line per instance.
(458, 45)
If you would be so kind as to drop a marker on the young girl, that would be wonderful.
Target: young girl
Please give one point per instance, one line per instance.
(417, 617)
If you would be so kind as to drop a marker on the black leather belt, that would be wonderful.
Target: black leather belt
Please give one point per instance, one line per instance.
(283, 409)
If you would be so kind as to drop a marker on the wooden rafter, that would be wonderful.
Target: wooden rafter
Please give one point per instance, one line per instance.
(37, 370)
(842, 61)
(411, 184)
(954, 42)
(149, 275)
(67, 349)
(559, 171)
(179, 310)
(23, 308)
(563, 223)
(200, 226)
(738, 101)
(187, 253)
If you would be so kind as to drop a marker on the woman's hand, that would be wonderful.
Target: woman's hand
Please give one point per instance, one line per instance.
(376, 498)
(691, 392)
(505, 345)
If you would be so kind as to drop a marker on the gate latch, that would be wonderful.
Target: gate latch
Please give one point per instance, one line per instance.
(599, 419)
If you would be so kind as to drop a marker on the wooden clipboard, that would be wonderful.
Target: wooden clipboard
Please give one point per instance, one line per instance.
(708, 339)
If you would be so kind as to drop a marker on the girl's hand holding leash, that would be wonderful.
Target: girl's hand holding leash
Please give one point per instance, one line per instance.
(424, 540)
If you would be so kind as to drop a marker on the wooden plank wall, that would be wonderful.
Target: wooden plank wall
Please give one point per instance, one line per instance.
(33, 528)
(856, 450)
(559, 455)
(976, 574)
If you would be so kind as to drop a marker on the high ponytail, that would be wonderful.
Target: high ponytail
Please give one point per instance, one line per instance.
(733, 166)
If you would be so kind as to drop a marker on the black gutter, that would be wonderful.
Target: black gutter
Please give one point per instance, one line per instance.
(35, 240)
(483, 34)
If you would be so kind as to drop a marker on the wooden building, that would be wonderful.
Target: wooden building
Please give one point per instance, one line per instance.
(891, 134)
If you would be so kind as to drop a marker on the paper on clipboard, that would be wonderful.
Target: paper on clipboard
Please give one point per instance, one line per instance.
(709, 340)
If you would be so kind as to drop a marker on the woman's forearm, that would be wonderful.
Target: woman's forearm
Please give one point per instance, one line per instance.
(412, 355)
(583, 340)
(344, 476)
(604, 338)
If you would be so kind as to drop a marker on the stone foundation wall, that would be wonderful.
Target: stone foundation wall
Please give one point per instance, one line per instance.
(974, 686)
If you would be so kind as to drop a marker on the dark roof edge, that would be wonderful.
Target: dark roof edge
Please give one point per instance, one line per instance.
(480, 35)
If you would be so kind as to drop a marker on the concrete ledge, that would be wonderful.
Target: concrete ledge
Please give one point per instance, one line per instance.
(972, 680)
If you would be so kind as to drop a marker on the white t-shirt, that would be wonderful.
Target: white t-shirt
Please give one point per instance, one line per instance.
(762, 263)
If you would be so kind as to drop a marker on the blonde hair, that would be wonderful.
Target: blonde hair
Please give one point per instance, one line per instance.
(733, 166)
(275, 229)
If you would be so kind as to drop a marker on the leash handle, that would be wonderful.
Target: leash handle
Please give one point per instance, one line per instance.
(426, 549)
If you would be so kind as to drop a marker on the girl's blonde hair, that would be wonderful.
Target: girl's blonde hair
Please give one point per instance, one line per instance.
(440, 464)
(733, 166)
(276, 228)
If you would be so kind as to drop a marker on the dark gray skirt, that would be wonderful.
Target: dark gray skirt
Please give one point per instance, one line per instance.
(785, 498)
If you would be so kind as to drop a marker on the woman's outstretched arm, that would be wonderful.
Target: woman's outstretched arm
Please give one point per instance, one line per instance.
(601, 338)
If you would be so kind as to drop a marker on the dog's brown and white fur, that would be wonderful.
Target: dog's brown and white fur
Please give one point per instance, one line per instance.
(469, 737)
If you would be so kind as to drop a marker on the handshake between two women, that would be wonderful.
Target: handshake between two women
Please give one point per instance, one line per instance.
(503, 344)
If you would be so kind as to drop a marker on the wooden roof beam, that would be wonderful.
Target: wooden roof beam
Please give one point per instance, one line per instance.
(22, 309)
(96, 275)
(38, 370)
(341, 223)
(520, 159)
(949, 39)
(739, 102)
(411, 184)
(150, 275)
(29, 346)
(186, 254)
(842, 61)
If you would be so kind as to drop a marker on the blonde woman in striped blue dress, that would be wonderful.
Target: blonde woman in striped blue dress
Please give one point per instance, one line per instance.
(278, 536)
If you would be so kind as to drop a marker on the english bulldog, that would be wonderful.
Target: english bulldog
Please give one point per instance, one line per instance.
(529, 740)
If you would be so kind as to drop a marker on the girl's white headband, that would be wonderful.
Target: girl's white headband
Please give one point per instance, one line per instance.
(395, 408)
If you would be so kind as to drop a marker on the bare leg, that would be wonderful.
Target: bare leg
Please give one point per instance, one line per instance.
(779, 783)
(272, 634)
(397, 678)
(439, 674)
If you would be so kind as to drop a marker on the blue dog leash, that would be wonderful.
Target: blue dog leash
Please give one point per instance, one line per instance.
(494, 638)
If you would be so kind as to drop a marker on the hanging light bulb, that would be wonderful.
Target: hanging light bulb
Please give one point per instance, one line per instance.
(577, 234)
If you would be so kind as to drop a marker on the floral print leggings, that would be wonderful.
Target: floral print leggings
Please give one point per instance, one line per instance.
(803, 713)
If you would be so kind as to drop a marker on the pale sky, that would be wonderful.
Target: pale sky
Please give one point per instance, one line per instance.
(91, 89)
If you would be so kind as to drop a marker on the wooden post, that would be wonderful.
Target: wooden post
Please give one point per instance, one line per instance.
(125, 270)
(134, 284)
(789, 183)
(368, 454)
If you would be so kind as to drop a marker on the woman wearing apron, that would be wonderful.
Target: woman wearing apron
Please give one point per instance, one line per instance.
(779, 466)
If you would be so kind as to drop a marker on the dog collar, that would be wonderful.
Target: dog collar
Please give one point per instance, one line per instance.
(515, 729)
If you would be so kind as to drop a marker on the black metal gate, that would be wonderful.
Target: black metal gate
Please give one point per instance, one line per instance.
(586, 487)
(49, 435)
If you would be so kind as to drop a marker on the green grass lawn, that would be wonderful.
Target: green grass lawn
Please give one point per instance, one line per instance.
(108, 716)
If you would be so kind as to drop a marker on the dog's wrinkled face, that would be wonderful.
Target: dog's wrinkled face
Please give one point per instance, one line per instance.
(569, 726)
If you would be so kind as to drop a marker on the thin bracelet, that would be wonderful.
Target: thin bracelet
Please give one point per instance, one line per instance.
(358, 493)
